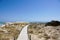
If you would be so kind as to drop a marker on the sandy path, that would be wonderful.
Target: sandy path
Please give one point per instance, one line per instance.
(23, 35)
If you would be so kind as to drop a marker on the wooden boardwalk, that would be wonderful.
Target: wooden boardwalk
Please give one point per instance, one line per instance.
(23, 35)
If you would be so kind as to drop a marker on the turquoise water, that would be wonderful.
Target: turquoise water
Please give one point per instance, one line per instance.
(1, 23)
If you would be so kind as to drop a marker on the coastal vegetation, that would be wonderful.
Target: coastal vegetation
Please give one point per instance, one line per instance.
(44, 31)
(10, 31)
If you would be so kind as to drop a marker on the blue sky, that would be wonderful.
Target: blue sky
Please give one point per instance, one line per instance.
(29, 10)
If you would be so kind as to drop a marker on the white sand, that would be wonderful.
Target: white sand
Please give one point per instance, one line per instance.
(23, 35)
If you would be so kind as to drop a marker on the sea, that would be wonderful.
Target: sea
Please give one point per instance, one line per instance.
(1, 23)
